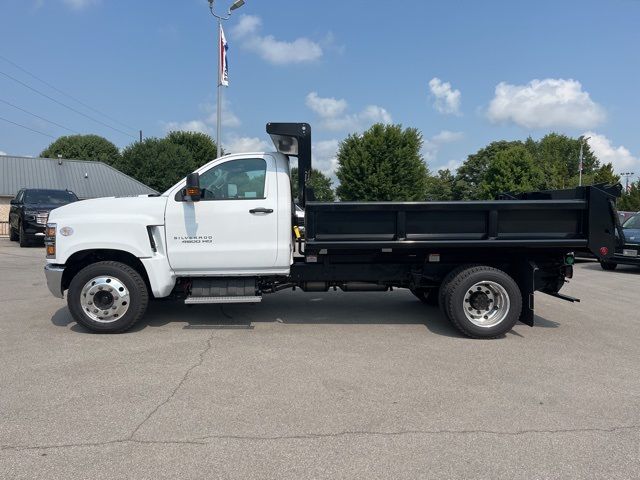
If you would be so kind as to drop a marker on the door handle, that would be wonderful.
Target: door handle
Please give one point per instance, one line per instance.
(261, 210)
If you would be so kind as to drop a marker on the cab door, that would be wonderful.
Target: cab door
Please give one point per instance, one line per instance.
(233, 229)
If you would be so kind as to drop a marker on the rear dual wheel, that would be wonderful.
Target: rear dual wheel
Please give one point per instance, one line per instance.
(481, 301)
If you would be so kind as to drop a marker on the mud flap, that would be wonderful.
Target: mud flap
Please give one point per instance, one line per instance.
(527, 285)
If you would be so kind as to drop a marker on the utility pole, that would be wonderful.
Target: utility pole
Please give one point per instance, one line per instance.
(234, 6)
(580, 165)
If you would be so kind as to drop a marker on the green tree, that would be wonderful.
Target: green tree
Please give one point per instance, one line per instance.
(440, 186)
(383, 163)
(511, 170)
(559, 156)
(630, 201)
(157, 163)
(472, 172)
(201, 146)
(605, 174)
(83, 147)
(320, 183)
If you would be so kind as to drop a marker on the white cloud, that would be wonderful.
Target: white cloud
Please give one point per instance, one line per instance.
(332, 114)
(447, 136)
(208, 123)
(188, 126)
(620, 156)
(431, 147)
(324, 154)
(237, 144)
(277, 52)
(80, 4)
(247, 25)
(545, 104)
(447, 99)
(229, 119)
(3, 153)
(326, 107)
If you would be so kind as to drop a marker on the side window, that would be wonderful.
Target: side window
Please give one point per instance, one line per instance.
(235, 180)
(20, 196)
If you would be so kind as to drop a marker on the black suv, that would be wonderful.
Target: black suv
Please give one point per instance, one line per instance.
(30, 210)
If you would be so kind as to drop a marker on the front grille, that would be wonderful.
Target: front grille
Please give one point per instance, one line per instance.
(42, 217)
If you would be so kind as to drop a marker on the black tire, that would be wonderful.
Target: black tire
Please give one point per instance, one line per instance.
(22, 237)
(13, 236)
(428, 296)
(455, 304)
(132, 280)
(608, 266)
(444, 286)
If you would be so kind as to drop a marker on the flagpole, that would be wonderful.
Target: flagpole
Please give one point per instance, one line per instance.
(234, 6)
(219, 100)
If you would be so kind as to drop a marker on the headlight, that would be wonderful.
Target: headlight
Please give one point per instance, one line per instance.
(30, 214)
(50, 239)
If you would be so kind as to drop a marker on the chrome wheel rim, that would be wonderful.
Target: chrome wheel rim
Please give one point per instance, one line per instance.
(486, 304)
(104, 299)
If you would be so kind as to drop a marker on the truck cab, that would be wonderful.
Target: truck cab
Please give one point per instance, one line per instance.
(241, 222)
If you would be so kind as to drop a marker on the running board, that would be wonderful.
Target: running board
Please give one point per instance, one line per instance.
(237, 299)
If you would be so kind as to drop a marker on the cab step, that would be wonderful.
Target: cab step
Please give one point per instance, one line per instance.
(234, 299)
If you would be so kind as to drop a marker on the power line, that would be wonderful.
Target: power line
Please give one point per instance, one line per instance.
(38, 116)
(65, 94)
(65, 105)
(28, 128)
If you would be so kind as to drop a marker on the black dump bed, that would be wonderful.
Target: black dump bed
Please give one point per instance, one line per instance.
(580, 219)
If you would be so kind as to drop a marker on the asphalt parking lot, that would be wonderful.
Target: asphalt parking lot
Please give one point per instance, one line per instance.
(335, 385)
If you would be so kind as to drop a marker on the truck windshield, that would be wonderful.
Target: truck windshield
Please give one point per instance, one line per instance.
(633, 222)
(51, 197)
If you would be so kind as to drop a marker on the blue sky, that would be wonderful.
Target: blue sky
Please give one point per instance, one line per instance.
(464, 73)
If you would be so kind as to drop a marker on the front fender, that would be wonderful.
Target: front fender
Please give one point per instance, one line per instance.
(126, 237)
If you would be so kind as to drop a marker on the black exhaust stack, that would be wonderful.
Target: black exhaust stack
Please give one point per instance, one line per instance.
(295, 139)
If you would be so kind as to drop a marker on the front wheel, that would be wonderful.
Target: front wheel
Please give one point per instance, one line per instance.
(107, 297)
(483, 302)
(13, 236)
(22, 237)
(609, 266)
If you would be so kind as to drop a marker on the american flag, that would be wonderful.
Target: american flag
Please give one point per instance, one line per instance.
(223, 74)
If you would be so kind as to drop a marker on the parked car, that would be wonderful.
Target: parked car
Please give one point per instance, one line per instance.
(624, 216)
(30, 210)
(628, 252)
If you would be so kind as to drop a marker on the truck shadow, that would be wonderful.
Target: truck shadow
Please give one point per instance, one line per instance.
(628, 269)
(298, 308)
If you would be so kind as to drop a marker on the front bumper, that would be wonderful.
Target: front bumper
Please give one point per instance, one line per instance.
(53, 273)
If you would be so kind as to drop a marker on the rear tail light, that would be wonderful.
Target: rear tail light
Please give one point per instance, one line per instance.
(604, 251)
